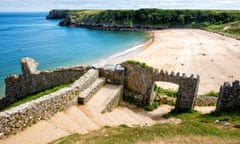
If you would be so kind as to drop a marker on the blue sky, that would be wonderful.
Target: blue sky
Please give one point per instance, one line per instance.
(46, 5)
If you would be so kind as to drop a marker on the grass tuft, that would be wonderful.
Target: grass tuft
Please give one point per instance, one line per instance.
(142, 64)
(211, 93)
(168, 92)
(71, 139)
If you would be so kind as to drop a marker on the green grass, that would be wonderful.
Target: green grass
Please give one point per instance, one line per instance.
(142, 64)
(128, 96)
(71, 139)
(147, 107)
(193, 125)
(233, 32)
(37, 95)
(168, 92)
(211, 93)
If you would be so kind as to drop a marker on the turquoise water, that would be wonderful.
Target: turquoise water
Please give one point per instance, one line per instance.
(31, 35)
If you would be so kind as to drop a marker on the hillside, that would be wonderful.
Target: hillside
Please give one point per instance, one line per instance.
(145, 19)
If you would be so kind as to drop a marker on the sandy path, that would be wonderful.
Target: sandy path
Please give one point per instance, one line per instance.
(214, 57)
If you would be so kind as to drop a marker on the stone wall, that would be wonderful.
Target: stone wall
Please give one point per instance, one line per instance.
(140, 79)
(22, 116)
(229, 97)
(206, 101)
(114, 74)
(32, 81)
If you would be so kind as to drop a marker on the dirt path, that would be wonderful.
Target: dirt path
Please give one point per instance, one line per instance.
(214, 57)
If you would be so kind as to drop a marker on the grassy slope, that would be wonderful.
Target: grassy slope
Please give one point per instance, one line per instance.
(211, 20)
(194, 128)
(233, 30)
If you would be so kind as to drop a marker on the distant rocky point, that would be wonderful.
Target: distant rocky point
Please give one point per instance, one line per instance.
(143, 19)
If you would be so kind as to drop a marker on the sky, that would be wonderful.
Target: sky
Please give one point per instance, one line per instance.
(46, 5)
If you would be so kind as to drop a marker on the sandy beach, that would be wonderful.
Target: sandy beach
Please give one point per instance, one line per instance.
(214, 57)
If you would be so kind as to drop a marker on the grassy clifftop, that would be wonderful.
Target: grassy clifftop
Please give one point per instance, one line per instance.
(149, 19)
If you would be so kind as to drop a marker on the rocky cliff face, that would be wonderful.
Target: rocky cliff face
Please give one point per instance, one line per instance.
(57, 14)
(100, 19)
(142, 19)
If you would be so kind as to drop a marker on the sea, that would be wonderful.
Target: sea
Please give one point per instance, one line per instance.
(32, 35)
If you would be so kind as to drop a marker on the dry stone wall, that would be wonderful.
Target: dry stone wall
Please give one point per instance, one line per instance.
(206, 101)
(229, 97)
(141, 80)
(134, 77)
(20, 117)
(114, 74)
(188, 87)
(32, 81)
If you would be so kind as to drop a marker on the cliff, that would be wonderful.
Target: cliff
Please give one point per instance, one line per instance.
(57, 14)
(142, 18)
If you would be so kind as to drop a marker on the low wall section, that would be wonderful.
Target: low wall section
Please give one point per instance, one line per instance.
(229, 97)
(32, 81)
(114, 74)
(20, 117)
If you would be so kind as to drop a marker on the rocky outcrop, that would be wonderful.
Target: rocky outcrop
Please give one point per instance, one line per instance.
(71, 22)
(57, 14)
(142, 19)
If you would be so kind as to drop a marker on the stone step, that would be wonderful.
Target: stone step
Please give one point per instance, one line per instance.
(121, 117)
(96, 117)
(62, 121)
(81, 118)
(106, 98)
(86, 80)
(140, 116)
(88, 93)
(40, 133)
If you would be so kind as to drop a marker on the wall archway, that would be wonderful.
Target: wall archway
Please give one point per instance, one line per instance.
(140, 79)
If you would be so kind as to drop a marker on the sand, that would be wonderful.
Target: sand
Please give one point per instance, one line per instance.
(214, 57)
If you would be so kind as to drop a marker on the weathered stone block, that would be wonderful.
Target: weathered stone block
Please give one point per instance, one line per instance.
(229, 98)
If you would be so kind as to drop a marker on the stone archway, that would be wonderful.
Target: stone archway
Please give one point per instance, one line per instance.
(188, 87)
(140, 79)
(165, 92)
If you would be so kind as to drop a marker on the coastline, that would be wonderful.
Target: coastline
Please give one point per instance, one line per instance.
(192, 51)
(127, 54)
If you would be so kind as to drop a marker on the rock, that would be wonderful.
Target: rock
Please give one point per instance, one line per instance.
(1, 135)
(226, 124)
(57, 14)
(216, 121)
(29, 66)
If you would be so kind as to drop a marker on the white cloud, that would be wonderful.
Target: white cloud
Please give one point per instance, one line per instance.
(46, 5)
